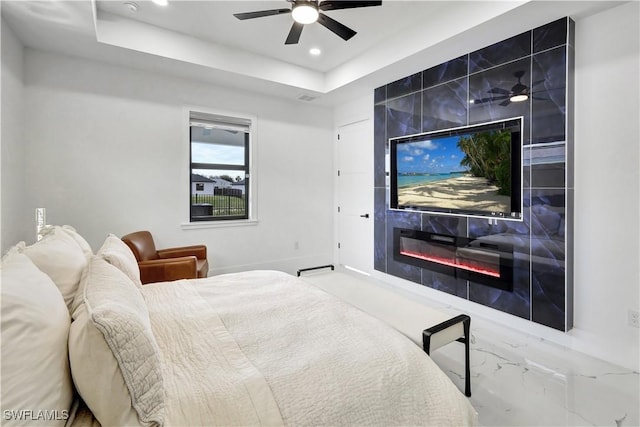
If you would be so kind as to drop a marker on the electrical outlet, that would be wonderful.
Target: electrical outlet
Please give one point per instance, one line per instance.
(634, 318)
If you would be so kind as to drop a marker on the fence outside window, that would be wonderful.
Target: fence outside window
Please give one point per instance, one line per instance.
(223, 202)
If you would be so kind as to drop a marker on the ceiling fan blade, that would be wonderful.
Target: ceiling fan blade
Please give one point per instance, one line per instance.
(499, 90)
(335, 5)
(505, 102)
(261, 13)
(331, 24)
(294, 33)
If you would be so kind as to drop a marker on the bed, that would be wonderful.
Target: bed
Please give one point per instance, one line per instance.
(251, 348)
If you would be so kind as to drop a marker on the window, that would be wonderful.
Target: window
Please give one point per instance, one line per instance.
(220, 167)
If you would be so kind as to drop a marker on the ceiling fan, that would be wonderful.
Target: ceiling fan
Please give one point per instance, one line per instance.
(309, 11)
(518, 93)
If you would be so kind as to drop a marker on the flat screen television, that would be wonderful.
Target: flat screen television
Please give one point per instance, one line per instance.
(472, 171)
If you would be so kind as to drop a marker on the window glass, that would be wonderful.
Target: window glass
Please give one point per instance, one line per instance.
(219, 169)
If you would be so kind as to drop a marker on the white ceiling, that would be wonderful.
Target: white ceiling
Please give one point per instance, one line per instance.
(214, 22)
(202, 40)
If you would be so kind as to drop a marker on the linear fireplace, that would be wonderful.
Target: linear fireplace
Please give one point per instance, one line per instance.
(478, 261)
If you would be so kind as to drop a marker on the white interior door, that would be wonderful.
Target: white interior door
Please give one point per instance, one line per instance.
(355, 196)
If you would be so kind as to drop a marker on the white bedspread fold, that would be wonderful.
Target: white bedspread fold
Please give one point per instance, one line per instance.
(210, 380)
(265, 348)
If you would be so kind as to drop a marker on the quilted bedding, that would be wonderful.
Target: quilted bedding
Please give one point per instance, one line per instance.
(265, 348)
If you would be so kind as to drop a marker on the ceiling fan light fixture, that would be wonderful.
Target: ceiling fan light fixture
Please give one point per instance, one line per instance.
(305, 13)
(519, 97)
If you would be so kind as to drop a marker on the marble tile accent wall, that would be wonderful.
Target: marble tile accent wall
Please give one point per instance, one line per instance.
(442, 97)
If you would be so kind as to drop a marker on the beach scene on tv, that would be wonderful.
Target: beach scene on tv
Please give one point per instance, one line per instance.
(470, 172)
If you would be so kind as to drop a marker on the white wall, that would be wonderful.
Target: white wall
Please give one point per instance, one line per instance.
(108, 153)
(607, 189)
(607, 194)
(13, 227)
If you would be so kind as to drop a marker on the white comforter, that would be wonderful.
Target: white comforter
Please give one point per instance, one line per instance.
(265, 348)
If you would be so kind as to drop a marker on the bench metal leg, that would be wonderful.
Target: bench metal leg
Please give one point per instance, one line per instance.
(315, 268)
(466, 326)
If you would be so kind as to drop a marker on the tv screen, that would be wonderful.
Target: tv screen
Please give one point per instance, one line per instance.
(472, 170)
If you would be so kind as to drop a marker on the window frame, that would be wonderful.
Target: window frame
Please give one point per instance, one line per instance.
(220, 119)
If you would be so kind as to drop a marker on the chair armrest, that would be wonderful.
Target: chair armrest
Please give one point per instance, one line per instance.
(198, 251)
(164, 270)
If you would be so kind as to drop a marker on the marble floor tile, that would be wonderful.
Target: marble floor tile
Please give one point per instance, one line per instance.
(521, 380)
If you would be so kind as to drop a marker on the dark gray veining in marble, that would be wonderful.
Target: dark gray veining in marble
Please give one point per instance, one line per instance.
(403, 115)
(404, 86)
(379, 141)
(445, 72)
(499, 53)
(445, 106)
(548, 103)
(379, 230)
(551, 35)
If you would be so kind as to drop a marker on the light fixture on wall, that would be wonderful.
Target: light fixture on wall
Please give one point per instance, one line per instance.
(305, 12)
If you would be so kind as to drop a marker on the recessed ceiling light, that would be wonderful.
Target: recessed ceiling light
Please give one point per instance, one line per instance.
(161, 2)
(315, 51)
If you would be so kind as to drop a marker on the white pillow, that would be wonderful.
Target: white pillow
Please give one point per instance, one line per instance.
(117, 253)
(114, 356)
(59, 256)
(80, 241)
(84, 245)
(35, 327)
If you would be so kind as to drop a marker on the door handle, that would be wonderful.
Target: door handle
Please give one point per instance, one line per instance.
(364, 215)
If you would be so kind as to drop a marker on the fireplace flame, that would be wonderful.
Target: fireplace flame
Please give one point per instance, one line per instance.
(451, 263)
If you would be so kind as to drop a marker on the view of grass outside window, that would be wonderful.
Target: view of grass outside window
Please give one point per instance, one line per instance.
(219, 167)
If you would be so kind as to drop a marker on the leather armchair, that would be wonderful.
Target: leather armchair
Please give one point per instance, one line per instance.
(161, 265)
